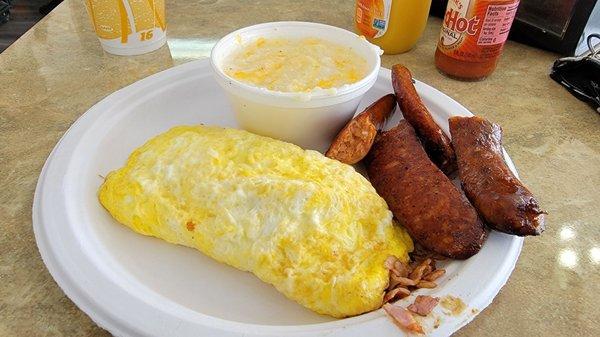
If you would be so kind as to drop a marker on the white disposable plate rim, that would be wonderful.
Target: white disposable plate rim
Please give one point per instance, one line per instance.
(126, 308)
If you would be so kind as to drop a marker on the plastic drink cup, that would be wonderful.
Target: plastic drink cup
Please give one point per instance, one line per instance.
(129, 27)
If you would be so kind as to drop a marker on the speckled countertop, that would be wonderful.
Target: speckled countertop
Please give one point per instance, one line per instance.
(57, 70)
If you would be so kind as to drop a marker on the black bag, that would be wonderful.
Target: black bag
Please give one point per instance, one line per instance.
(581, 74)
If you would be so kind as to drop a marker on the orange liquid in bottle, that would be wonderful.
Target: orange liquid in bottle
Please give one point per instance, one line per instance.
(393, 25)
(473, 36)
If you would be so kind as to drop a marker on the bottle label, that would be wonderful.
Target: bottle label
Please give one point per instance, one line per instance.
(373, 17)
(475, 30)
(496, 25)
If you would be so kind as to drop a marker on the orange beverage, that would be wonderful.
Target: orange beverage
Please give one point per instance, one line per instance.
(393, 25)
(473, 36)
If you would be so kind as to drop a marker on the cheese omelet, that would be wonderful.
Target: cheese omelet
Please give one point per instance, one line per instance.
(311, 226)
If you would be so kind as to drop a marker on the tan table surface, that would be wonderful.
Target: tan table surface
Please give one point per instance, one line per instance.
(57, 70)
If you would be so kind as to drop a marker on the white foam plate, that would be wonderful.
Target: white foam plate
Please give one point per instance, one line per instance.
(134, 285)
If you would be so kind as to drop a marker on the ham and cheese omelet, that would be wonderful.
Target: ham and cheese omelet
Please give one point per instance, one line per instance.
(311, 226)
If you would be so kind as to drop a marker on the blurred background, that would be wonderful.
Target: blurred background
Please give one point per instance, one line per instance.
(17, 16)
(555, 25)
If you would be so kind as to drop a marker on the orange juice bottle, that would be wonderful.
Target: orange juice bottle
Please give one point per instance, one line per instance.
(393, 25)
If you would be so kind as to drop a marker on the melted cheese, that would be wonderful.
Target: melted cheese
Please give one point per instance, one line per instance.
(295, 65)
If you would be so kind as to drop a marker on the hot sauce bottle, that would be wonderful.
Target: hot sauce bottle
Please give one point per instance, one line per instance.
(472, 37)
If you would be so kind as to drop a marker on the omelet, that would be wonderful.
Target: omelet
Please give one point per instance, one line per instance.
(311, 226)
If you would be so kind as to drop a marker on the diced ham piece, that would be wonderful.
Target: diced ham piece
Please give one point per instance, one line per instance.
(401, 269)
(403, 318)
(423, 305)
(389, 262)
(395, 293)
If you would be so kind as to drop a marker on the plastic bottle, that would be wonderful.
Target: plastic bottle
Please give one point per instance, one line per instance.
(473, 36)
(394, 25)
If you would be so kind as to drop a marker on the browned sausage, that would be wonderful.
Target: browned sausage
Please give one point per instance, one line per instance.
(436, 143)
(354, 141)
(433, 211)
(499, 197)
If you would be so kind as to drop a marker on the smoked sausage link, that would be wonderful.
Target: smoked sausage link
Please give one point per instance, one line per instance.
(499, 197)
(436, 143)
(354, 141)
(434, 211)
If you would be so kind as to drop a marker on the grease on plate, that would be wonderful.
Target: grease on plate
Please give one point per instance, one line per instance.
(454, 305)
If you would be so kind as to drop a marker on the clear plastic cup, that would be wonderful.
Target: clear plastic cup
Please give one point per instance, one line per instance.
(129, 27)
